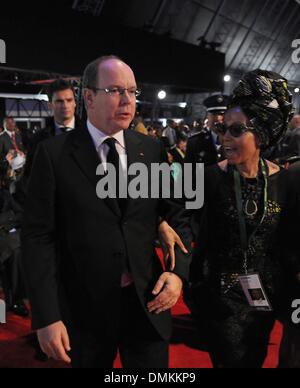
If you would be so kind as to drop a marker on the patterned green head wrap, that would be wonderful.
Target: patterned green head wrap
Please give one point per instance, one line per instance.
(264, 97)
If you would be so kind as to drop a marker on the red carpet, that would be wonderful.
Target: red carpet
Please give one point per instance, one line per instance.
(17, 348)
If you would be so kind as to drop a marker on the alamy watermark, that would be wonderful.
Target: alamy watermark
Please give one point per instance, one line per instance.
(296, 53)
(2, 51)
(296, 313)
(2, 312)
(157, 181)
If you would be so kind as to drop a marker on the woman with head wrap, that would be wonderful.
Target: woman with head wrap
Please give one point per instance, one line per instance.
(245, 217)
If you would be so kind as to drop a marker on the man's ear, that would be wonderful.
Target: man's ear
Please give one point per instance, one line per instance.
(88, 98)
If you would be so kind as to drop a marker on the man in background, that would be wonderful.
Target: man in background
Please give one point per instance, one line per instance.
(290, 146)
(10, 139)
(62, 102)
(205, 146)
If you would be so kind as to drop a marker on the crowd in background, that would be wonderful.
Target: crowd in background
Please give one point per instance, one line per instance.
(203, 142)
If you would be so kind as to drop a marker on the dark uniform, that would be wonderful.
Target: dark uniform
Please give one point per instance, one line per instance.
(202, 149)
(202, 146)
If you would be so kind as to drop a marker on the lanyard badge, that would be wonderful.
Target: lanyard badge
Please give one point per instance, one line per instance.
(251, 283)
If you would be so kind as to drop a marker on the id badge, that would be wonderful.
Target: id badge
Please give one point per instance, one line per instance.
(255, 292)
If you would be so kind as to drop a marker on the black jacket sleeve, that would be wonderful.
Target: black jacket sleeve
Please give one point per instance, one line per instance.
(174, 212)
(38, 241)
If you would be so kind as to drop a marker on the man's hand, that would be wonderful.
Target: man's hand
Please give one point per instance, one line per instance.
(168, 290)
(54, 342)
(10, 156)
(168, 239)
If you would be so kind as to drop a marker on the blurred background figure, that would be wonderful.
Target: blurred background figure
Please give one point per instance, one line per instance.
(10, 247)
(179, 152)
(139, 124)
(290, 146)
(10, 139)
(170, 133)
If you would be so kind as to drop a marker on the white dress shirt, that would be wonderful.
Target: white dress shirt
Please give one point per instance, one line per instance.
(58, 127)
(102, 148)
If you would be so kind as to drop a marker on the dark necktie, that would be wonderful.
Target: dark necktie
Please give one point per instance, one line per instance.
(14, 141)
(65, 129)
(114, 159)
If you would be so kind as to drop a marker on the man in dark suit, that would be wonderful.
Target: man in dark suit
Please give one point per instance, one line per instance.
(10, 139)
(205, 146)
(179, 152)
(94, 280)
(289, 355)
(62, 102)
(290, 145)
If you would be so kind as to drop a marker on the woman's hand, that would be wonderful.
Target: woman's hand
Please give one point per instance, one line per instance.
(10, 156)
(168, 239)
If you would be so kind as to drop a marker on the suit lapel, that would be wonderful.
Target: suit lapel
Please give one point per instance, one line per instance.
(88, 160)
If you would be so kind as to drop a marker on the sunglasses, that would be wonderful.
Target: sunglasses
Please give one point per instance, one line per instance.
(235, 130)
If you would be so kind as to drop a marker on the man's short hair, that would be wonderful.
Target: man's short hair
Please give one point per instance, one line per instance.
(58, 86)
(91, 72)
(7, 118)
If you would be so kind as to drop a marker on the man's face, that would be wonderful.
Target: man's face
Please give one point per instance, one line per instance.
(63, 106)
(10, 125)
(214, 118)
(112, 113)
(182, 145)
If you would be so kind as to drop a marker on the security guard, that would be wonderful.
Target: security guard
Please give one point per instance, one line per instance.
(204, 146)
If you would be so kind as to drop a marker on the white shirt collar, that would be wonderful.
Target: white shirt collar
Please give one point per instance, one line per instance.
(8, 132)
(71, 124)
(99, 137)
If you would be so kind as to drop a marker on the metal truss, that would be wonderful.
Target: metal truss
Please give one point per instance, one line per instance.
(252, 51)
(249, 32)
(15, 75)
(273, 36)
(20, 107)
(79, 98)
(259, 41)
(266, 40)
(282, 56)
(291, 72)
(93, 7)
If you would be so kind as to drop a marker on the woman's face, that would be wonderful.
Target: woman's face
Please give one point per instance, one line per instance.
(243, 148)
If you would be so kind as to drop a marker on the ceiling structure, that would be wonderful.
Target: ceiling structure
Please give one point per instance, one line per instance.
(250, 33)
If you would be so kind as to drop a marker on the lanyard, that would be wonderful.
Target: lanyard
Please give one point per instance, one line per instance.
(245, 241)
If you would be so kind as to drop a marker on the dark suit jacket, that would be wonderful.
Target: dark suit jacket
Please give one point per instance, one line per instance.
(6, 144)
(291, 144)
(10, 218)
(75, 244)
(40, 136)
(201, 149)
(177, 157)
